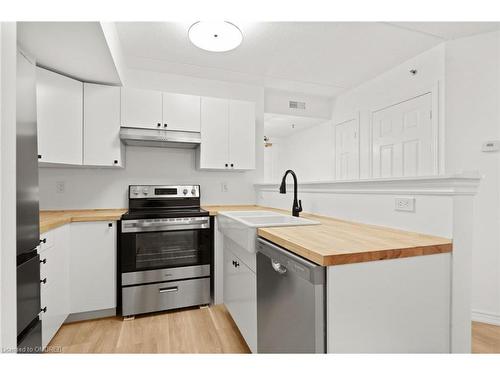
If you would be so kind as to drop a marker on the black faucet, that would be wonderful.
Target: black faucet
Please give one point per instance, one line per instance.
(297, 205)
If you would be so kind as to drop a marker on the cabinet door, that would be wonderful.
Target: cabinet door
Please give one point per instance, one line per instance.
(240, 297)
(181, 112)
(213, 151)
(59, 118)
(93, 266)
(141, 108)
(241, 134)
(54, 270)
(101, 128)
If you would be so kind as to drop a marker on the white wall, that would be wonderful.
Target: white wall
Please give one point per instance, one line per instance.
(106, 188)
(472, 117)
(309, 152)
(277, 101)
(386, 89)
(8, 330)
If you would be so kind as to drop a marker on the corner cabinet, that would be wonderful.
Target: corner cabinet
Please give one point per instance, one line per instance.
(227, 134)
(59, 118)
(101, 126)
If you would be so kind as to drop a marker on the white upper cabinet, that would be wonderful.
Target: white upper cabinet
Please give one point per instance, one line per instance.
(241, 134)
(59, 118)
(227, 134)
(141, 108)
(181, 112)
(214, 148)
(101, 131)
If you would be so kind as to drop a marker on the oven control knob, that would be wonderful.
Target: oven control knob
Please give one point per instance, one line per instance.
(145, 191)
(193, 191)
(185, 191)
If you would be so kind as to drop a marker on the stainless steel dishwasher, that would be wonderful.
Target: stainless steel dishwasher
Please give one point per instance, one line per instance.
(290, 302)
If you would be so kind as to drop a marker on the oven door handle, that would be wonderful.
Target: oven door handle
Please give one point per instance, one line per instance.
(171, 289)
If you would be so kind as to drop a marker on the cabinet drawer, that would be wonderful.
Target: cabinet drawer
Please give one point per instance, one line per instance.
(165, 296)
(47, 240)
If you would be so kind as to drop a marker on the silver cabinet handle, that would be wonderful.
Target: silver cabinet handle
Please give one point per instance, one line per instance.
(171, 289)
(278, 267)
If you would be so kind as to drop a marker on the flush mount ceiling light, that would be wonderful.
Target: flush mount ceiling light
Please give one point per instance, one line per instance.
(215, 36)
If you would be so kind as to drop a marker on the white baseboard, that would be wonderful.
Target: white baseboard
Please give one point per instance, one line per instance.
(486, 317)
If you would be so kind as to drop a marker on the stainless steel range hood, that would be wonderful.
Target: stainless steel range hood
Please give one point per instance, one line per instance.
(159, 138)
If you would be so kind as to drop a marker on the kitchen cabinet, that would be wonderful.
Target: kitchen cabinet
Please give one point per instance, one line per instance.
(141, 108)
(241, 134)
(101, 127)
(214, 151)
(240, 297)
(59, 118)
(54, 276)
(227, 134)
(93, 266)
(181, 112)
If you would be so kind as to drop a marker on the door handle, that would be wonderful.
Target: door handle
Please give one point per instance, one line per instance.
(278, 267)
(171, 289)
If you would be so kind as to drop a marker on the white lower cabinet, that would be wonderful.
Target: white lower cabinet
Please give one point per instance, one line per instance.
(92, 266)
(54, 276)
(240, 297)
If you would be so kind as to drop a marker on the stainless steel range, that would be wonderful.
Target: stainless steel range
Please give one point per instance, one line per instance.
(165, 250)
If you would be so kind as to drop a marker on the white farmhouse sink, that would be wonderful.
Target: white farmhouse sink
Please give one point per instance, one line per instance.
(241, 226)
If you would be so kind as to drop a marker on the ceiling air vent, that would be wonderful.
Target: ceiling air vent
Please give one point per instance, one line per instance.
(296, 105)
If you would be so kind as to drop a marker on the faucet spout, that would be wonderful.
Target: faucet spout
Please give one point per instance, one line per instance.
(297, 204)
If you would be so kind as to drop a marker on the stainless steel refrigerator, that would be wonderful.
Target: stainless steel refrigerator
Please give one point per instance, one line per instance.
(29, 327)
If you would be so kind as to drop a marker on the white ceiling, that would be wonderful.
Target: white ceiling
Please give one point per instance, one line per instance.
(449, 30)
(278, 125)
(76, 49)
(321, 58)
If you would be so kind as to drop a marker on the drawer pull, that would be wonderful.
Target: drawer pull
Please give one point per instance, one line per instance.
(43, 281)
(172, 289)
(43, 261)
(44, 310)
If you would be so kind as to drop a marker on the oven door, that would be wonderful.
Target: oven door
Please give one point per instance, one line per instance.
(164, 243)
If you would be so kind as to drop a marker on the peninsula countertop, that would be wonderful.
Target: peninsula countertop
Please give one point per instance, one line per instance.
(332, 242)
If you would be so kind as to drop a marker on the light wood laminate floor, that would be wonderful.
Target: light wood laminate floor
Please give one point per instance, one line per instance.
(208, 330)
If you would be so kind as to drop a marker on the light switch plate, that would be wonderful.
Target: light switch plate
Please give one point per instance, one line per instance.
(491, 146)
(404, 204)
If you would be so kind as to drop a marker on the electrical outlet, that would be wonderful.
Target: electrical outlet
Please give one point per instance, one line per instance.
(60, 186)
(404, 204)
(223, 187)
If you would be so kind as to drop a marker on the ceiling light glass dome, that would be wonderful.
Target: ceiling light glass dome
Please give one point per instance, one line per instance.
(215, 36)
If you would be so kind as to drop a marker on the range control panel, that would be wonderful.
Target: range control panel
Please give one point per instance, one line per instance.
(164, 191)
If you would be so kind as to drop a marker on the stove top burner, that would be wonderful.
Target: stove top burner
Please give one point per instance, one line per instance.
(163, 213)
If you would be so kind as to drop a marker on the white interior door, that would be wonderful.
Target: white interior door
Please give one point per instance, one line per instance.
(404, 138)
(347, 150)
(181, 112)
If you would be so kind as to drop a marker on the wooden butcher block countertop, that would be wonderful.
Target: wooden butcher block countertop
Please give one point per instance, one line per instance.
(53, 219)
(335, 242)
(332, 242)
